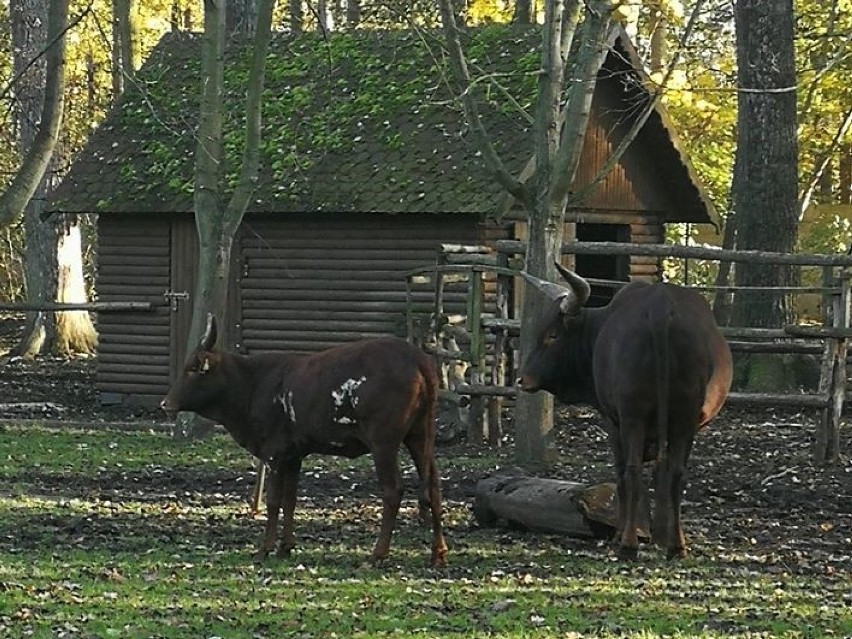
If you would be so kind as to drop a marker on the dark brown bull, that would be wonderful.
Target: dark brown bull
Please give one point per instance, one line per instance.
(654, 363)
(367, 397)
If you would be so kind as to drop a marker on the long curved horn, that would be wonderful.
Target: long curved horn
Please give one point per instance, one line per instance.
(209, 339)
(582, 289)
(548, 289)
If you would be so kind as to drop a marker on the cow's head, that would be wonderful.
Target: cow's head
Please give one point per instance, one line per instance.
(202, 378)
(548, 365)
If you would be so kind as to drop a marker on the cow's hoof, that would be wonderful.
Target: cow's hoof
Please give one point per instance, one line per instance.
(678, 552)
(439, 559)
(628, 553)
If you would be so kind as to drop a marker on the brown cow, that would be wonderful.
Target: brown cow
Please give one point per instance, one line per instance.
(655, 365)
(365, 397)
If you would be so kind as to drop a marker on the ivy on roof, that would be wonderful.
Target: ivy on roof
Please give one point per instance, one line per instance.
(368, 92)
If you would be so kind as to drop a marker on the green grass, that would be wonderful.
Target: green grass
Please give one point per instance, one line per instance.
(113, 534)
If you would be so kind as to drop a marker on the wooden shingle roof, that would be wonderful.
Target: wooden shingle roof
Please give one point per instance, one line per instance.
(362, 121)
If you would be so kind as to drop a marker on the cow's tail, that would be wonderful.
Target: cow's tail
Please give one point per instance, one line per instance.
(660, 326)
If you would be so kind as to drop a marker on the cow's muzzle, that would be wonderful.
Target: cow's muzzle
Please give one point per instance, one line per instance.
(527, 384)
(170, 409)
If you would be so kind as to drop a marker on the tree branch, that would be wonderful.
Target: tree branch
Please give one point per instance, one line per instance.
(31, 172)
(483, 143)
(251, 152)
(637, 125)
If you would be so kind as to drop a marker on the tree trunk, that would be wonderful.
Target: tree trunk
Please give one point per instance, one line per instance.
(41, 89)
(523, 13)
(217, 226)
(766, 198)
(49, 249)
(125, 56)
(557, 156)
(353, 13)
(241, 17)
(297, 17)
(561, 118)
(75, 332)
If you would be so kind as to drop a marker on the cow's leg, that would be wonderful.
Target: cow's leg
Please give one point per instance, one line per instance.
(680, 450)
(618, 459)
(422, 453)
(632, 432)
(662, 524)
(390, 483)
(274, 492)
(289, 470)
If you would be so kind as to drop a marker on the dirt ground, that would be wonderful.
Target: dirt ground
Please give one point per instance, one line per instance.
(754, 496)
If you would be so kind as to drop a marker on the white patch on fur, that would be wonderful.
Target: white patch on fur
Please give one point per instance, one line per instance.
(344, 420)
(286, 400)
(347, 391)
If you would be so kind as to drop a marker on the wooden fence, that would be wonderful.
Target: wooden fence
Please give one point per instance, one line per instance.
(488, 333)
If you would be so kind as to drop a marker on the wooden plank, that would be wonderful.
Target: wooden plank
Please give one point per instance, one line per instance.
(327, 240)
(129, 272)
(126, 375)
(154, 328)
(107, 350)
(296, 336)
(586, 217)
(274, 325)
(146, 340)
(134, 282)
(676, 250)
(770, 399)
(277, 276)
(153, 231)
(124, 261)
(353, 294)
(382, 262)
(134, 388)
(133, 369)
(116, 252)
(116, 292)
(293, 346)
(154, 359)
(335, 313)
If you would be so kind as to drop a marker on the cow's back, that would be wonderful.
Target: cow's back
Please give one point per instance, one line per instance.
(345, 394)
(626, 366)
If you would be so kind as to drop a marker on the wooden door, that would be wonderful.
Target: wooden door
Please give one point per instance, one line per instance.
(184, 264)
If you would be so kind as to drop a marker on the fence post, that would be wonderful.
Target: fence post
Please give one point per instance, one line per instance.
(833, 376)
(477, 418)
(498, 363)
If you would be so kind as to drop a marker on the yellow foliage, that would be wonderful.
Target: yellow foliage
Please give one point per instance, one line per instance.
(479, 11)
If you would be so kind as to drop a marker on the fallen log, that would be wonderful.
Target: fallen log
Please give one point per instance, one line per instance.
(551, 506)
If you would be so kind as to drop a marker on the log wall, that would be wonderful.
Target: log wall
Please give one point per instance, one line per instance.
(313, 282)
(133, 350)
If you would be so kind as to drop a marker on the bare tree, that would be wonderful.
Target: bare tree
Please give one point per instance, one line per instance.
(353, 13)
(524, 11)
(124, 42)
(562, 111)
(297, 16)
(217, 224)
(53, 264)
(40, 87)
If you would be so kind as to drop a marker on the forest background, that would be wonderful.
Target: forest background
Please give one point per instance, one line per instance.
(700, 93)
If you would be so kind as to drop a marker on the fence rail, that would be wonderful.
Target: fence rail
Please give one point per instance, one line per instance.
(488, 340)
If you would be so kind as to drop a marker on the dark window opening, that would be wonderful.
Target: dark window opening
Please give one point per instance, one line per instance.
(603, 267)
